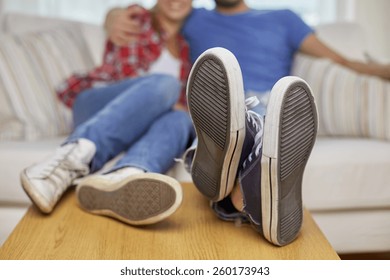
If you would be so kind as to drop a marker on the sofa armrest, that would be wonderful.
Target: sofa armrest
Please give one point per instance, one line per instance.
(346, 38)
(349, 103)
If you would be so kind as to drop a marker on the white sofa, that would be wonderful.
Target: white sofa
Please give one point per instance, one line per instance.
(346, 184)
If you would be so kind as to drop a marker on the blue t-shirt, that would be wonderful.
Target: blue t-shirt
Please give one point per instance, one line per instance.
(264, 42)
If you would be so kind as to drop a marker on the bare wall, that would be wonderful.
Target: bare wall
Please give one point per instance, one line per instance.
(374, 17)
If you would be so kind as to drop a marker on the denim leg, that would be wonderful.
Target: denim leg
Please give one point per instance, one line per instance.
(126, 116)
(166, 140)
(92, 100)
(263, 98)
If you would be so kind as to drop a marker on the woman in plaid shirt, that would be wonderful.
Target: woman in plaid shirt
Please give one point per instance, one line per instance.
(126, 106)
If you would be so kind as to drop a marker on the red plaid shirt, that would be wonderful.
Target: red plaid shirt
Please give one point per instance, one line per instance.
(132, 60)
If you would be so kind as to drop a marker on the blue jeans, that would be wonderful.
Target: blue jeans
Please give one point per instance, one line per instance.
(133, 116)
(263, 98)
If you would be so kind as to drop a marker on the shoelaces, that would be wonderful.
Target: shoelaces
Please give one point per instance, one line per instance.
(258, 123)
(59, 160)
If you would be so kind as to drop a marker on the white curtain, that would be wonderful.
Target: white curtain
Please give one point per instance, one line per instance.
(92, 11)
(313, 11)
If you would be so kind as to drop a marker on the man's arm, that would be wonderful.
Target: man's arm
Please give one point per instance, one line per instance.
(122, 25)
(313, 46)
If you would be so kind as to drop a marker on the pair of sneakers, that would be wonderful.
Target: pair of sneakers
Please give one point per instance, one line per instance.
(126, 194)
(264, 157)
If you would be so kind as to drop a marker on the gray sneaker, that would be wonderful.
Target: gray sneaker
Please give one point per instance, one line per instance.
(271, 176)
(139, 199)
(224, 209)
(249, 178)
(215, 97)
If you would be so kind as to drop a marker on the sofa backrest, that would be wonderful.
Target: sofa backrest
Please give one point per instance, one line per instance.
(36, 54)
(94, 35)
(349, 104)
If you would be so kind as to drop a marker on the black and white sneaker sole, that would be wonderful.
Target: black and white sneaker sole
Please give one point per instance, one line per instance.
(290, 131)
(140, 199)
(216, 102)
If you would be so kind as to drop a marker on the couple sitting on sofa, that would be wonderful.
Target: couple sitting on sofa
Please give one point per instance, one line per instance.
(248, 161)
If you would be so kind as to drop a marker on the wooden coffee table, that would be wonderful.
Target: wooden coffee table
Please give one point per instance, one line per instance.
(192, 233)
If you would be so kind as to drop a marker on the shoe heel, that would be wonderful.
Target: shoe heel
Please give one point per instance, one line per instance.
(141, 199)
(217, 108)
(291, 138)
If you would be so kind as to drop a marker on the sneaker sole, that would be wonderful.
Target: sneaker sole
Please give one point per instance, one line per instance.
(216, 104)
(289, 134)
(141, 199)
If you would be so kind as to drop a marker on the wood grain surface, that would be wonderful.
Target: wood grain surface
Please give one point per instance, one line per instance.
(192, 233)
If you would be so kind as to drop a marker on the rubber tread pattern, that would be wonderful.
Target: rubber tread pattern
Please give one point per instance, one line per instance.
(209, 99)
(136, 200)
(298, 131)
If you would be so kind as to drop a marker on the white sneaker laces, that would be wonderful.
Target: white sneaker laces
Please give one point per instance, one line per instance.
(258, 123)
(59, 160)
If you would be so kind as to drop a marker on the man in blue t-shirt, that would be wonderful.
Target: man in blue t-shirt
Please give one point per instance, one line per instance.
(267, 155)
(264, 42)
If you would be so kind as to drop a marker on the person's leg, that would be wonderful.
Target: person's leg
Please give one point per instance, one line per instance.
(165, 140)
(127, 117)
(103, 131)
(91, 101)
(136, 197)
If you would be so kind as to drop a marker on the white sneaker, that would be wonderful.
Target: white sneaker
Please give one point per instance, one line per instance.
(117, 175)
(45, 182)
(140, 199)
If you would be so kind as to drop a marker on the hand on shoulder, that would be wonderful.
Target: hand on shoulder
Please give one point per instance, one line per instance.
(122, 25)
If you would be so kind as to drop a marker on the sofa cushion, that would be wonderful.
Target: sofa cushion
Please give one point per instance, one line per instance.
(17, 155)
(356, 231)
(347, 174)
(32, 64)
(349, 104)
